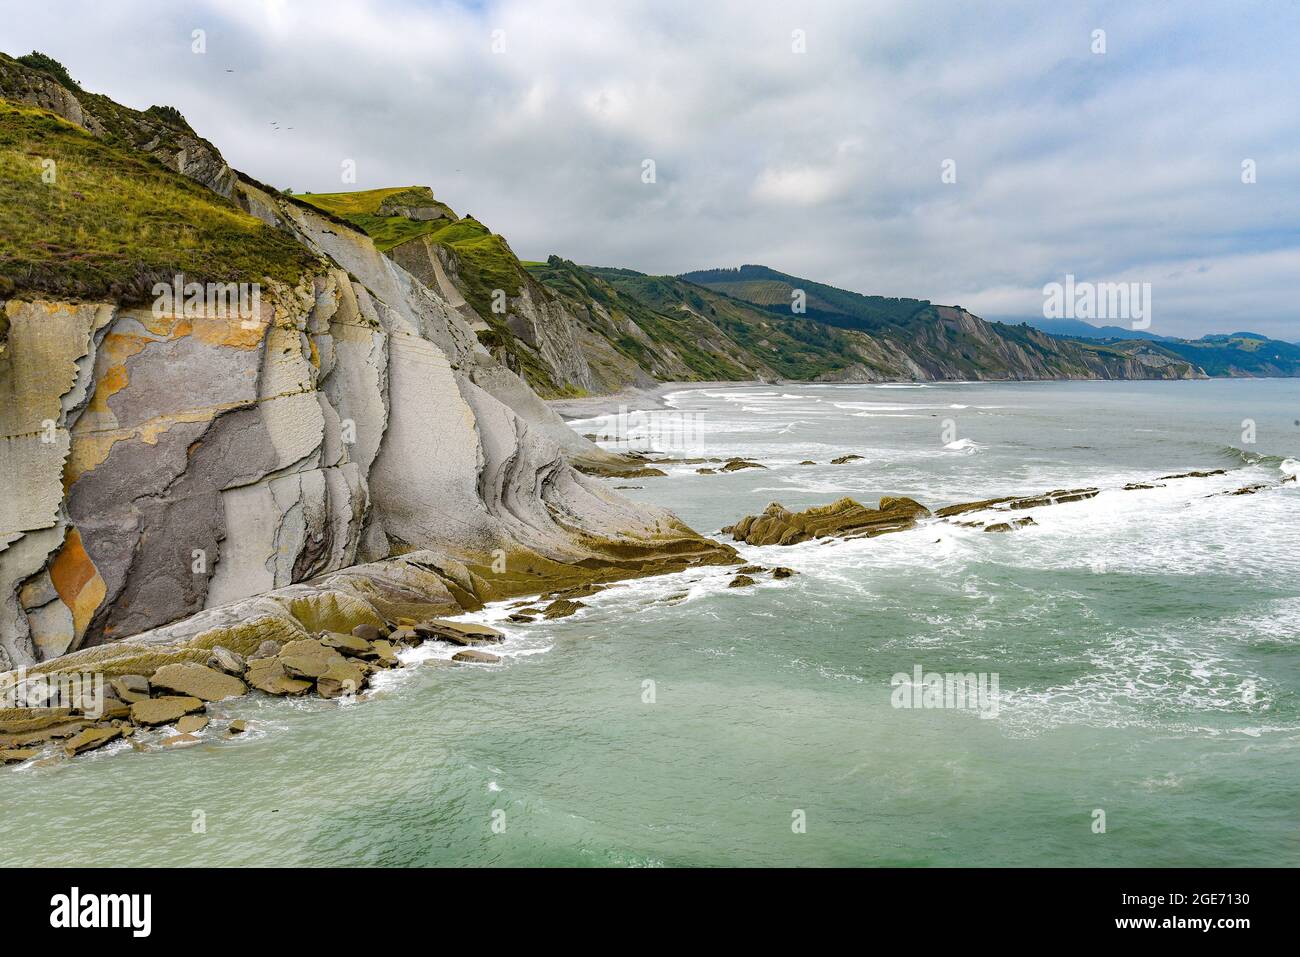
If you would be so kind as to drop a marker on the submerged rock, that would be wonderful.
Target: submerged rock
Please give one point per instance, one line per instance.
(460, 632)
(90, 740)
(1056, 497)
(1246, 490)
(1010, 526)
(561, 608)
(192, 723)
(476, 657)
(782, 572)
(740, 581)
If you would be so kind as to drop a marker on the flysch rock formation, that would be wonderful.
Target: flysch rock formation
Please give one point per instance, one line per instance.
(847, 518)
(176, 481)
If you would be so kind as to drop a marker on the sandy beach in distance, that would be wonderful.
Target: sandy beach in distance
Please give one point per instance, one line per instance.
(636, 399)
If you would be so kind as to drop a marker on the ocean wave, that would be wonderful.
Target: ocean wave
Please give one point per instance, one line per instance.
(1246, 457)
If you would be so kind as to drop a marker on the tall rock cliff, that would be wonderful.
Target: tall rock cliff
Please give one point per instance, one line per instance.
(179, 473)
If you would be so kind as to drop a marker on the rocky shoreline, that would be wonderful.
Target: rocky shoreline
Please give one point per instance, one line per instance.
(168, 707)
(329, 638)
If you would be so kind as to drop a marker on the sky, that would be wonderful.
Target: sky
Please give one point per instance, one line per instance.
(966, 153)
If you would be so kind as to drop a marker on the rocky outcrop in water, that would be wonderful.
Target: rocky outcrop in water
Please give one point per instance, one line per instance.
(847, 518)
(777, 525)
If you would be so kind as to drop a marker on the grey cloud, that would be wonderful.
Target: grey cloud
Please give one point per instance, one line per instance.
(824, 164)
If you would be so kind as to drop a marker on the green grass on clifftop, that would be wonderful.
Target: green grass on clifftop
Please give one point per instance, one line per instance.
(481, 259)
(378, 212)
(113, 221)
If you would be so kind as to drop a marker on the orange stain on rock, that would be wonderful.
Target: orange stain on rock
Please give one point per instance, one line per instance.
(77, 581)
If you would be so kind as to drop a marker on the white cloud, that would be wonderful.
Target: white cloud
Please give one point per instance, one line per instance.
(796, 185)
(825, 164)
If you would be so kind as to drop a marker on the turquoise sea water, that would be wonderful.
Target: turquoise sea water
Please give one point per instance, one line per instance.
(1146, 645)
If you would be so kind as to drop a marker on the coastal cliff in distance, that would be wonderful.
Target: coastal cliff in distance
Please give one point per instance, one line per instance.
(340, 450)
(573, 330)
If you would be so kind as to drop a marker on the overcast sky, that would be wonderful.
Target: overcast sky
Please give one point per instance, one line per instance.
(1122, 165)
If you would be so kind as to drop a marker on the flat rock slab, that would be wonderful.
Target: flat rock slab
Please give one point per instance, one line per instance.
(17, 755)
(340, 679)
(90, 740)
(165, 710)
(198, 681)
(269, 676)
(350, 645)
(130, 688)
(476, 657)
(192, 723)
(24, 720)
(459, 632)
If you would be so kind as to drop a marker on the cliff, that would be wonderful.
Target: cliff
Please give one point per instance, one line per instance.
(180, 474)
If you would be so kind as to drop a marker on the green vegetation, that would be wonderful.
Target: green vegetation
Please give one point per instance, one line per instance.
(482, 259)
(112, 221)
(790, 346)
(772, 290)
(667, 340)
(389, 216)
(47, 64)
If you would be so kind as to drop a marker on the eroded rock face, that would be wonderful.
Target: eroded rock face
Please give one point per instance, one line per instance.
(351, 453)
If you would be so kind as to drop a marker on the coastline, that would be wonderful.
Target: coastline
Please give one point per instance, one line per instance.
(638, 399)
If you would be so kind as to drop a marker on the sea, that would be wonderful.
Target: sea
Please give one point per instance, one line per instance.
(1131, 664)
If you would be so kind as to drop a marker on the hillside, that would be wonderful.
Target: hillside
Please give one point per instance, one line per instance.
(929, 341)
(571, 330)
(1236, 354)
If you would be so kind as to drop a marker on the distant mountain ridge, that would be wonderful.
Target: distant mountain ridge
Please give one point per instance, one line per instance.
(1219, 354)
